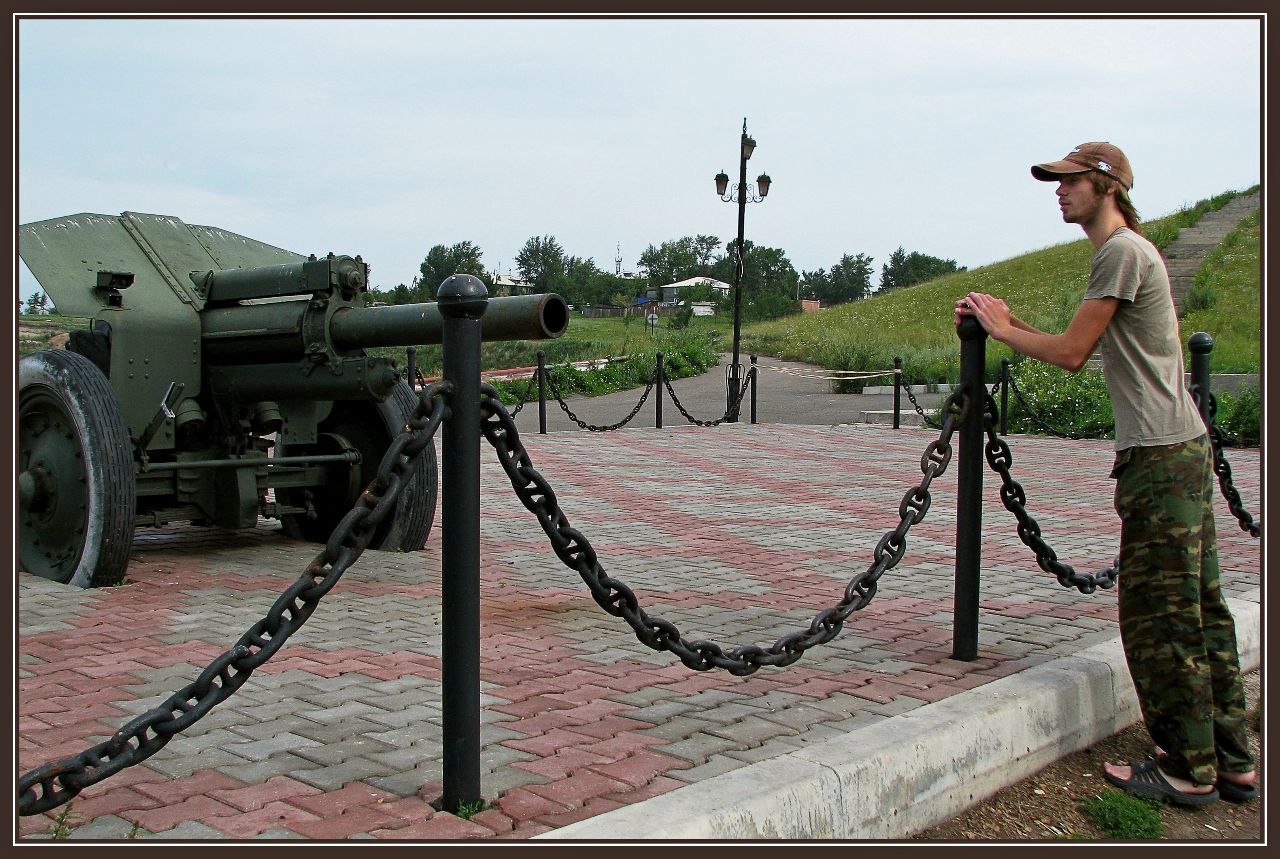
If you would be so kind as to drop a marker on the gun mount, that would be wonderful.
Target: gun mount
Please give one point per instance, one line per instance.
(221, 380)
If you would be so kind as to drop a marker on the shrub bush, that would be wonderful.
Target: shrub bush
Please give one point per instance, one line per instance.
(1070, 403)
(689, 358)
(1239, 417)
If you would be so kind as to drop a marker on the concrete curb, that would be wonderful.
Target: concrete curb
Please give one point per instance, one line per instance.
(946, 756)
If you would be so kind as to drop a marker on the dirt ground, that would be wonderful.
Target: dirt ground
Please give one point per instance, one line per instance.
(1048, 805)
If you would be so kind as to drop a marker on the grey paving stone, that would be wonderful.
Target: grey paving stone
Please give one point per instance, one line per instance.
(700, 747)
(337, 775)
(716, 765)
(180, 762)
(662, 711)
(190, 830)
(751, 730)
(256, 772)
(678, 728)
(260, 750)
(279, 834)
(354, 746)
(106, 828)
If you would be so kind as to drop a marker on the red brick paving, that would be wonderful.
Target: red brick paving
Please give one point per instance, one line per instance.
(564, 680)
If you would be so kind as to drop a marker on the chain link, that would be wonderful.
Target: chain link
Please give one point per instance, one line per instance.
(999, 457)
(555, 392)
(60, 781)
(734, 409)
(576, 552)
(928, 421)
(524, 398)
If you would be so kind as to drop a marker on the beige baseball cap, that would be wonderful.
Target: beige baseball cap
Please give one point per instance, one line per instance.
(1103, 157)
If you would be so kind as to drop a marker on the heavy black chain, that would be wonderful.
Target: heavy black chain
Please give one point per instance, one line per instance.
(60, 781)
(928, 421)
(555, 392)
(999, 457)
(734, 409)
(1222, 468)
(574, 550)
(524, 398)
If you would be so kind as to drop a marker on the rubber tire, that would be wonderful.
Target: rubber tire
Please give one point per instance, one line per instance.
(370, 427)
(58, 377)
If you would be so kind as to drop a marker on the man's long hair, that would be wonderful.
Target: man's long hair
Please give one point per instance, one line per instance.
(1102, 183)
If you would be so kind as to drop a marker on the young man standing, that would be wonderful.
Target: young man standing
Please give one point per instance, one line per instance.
(1178, 635)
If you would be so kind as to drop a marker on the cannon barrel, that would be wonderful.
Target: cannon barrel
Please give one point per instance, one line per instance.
(517, 317)
(289, 330)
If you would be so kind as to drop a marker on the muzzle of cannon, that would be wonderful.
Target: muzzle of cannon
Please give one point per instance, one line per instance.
(220, 380)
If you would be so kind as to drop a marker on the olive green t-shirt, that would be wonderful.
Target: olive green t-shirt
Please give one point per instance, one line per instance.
(1141, 346)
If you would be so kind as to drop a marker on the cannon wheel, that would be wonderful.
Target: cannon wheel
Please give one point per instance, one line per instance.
(369, 429)
(76, 485)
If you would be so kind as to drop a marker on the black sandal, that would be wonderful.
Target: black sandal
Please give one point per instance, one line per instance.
(1146, 779)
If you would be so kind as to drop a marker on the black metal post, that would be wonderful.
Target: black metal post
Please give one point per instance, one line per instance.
(462, 301)
(542, 392)
(973, 344)
(1004, 396)
(659, 375)
(755, 378)
(732, 408)
(1201, 344)
(411, 368)
(897, 392)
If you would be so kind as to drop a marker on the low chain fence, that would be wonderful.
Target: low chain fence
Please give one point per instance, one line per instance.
(970, 410)
(542, 382)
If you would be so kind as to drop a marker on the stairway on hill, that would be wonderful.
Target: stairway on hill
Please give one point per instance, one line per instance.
(1188, 251)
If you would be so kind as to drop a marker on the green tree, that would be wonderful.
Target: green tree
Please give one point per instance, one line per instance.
(905, 269)
(769, 280)
(679, 259)
(815, 285)
(848, 280)
(37, 304)
(851, 278)
(542, 262)
(670, 261)
(441, 262)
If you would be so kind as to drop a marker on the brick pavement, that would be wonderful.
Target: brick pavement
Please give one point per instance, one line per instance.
(739, 534)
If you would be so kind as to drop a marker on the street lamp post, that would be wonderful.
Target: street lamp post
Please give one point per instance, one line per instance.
(741, 193)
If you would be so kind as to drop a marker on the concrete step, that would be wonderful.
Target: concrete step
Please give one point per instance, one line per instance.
(908, 417)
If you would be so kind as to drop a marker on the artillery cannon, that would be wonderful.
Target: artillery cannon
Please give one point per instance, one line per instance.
(221, 379)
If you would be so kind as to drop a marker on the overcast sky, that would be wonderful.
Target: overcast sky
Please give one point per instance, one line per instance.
(386, 137)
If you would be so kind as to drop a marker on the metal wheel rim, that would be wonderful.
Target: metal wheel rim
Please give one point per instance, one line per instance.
(51, 465)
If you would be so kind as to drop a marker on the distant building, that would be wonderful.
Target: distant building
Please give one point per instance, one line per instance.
(670, 293)
(504, 284)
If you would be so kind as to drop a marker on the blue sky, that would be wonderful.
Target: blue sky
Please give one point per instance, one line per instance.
(384, 137)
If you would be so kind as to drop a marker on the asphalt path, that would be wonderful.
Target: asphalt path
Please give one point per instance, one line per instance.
(789, 393)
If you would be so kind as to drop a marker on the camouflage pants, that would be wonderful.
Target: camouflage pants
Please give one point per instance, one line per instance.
(1178, 635)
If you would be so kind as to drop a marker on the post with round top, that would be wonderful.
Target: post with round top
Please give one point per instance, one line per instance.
(897, 392)
(755, 379)
(542, 392)
(659, 375)
(1005, 363)
(462, 299)
(964, 634)
(1201, 345)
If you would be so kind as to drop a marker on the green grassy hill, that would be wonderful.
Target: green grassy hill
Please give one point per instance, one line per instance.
(1043, 287)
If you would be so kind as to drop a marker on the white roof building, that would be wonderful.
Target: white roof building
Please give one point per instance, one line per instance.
(670, 293)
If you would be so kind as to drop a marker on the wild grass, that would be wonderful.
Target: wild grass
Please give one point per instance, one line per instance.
(1043, 287)
(1123, 816)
